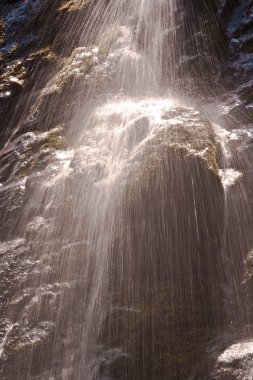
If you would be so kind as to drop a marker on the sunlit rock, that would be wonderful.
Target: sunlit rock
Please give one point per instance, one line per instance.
(71, 5)
(123, 220)
(13, 77)
(235, 363)
(168, 194)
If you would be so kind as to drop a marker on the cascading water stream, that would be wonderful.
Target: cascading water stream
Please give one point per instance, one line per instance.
(121, 235)
(110, 139)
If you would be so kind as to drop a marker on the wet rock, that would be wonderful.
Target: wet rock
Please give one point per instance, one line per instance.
(249, 268)
(12, 78)
(72, 5)
(29, 152)
(45, 53)
(38, 225)
(247, 283)
(238, 21)
(235, 363)
(16, 16)
(29, 50)
(31, 161)
(12, 197)
(177, 140)
(78, 64)
(11, 255)
(174, 306)
(174, 278)
(172, 286)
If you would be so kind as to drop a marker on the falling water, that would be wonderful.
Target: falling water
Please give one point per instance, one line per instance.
(124, 236)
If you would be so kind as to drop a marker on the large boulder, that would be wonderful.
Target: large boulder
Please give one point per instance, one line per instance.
(164, 298)
(167, 263)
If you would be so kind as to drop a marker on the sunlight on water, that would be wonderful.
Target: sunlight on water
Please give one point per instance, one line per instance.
(131, 226)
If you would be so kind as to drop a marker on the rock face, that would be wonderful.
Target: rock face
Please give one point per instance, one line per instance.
(163, 296)
(237, 21)
(169, 288)
(169, 292)
(239, 31)
(235, 363)
(32, 50)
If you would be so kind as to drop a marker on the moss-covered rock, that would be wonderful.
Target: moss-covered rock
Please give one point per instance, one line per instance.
(1, 31)
(29, 152)
(77, 65)
(211, 157)
(55, 140)
(45, 53)
(12, 78)
(166, 269)
(40, 152)
(72, 5)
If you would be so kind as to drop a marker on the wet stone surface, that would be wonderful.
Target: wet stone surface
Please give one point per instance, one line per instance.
(235, 363)
(172, 178)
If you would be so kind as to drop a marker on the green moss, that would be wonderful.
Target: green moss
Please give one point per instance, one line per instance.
(71, 5)
(66, 72)
(27, 162)
(13, 51)
(45, 53)
(2, 33)
(69, 67)
(32, 157)
(17, 71)
(54, 140)
(211, 157)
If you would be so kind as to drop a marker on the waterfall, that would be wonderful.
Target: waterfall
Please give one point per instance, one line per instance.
(124, 236)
